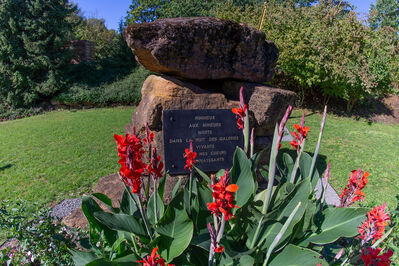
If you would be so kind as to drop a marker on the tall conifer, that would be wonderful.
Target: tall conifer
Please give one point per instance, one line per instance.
(33, 53)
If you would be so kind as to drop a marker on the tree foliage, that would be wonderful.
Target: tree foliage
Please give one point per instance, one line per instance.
(94, 29)
(147, 10)
(385, 13)
(33, 56)
(324, 49)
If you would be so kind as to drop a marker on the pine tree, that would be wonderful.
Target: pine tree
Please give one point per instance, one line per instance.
(33, 52)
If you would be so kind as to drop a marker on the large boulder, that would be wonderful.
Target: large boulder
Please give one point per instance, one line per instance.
(203, 48)
(266, 105)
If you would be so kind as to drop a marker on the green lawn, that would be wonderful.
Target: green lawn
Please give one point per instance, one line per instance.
(349, 144)
(60, 154)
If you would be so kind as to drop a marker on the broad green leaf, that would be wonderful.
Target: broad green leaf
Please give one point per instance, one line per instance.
(305, 163)
(106, 201)
(175, 229)
(293, 255)
(255, 160)
(161, 185)
(123, 261)
(203, 175)
(128, 206)
(202, 240)
(89, 207)
(128, 259)
(288, 163)
(176, 188)
(241, 175)
(336, 223)
(300, 194)
(205, 196)
(121, 222)
(151, 206)
(81, 258)
(246, 260)
(220, 173)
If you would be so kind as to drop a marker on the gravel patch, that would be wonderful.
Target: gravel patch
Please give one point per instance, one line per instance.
(331, 196)
(64, 208)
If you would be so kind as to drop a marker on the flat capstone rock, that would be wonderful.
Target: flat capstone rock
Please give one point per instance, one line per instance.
(203, 48)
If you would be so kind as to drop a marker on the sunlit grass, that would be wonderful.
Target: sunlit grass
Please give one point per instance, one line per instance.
(60, 154)
(349, 144)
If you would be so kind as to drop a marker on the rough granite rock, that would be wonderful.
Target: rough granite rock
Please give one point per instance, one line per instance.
(203, 48)
(266, 105)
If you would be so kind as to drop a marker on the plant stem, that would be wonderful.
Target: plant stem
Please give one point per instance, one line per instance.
(316, 152)
(132, 236)
(293, 175)
(263, 15)
(211, 255)
(281, 233)
(155, 200)
(269, 189)
(140, 207)
(147, 189)
(246, 132)
(252, 142)
(221, 229)
(143, 216)
(190, 191)
(382, 238)
(272, 171)
(256, 233)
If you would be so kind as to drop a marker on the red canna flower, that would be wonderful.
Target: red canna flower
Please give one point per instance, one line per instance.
(219, 249)
(149, 135)
(214, 244)
(370, 257)
(300, 135)
(154, 168)
(240, 112)
(190, 155)
(240, 115)
(153, 259)
(374, 226)
(223, 193)
(352, 192)
(130, 150)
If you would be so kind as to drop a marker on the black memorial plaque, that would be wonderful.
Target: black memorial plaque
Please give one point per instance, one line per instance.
(214, 133)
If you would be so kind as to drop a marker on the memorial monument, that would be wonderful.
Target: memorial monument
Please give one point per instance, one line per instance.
(202, 63)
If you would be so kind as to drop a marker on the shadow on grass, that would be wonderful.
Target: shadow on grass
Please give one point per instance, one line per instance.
(368, 109)
(2, 168)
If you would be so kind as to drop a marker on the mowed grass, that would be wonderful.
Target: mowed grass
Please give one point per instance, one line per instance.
(349, 144)
(60, 154)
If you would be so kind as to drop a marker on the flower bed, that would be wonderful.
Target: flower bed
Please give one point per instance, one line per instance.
(224, 219)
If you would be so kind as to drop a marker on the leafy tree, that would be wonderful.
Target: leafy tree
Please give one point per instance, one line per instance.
(385, 13)
(147, 10)
(323, 50)
(94, 29)
(33, 54)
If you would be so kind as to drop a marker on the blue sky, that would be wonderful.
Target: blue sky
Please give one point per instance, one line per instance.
(113, 10)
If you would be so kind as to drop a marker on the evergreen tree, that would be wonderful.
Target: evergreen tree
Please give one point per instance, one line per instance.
(385, 13)
(33, 53)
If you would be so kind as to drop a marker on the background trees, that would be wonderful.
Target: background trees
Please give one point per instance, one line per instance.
(32, 49)
(325, 50)
(385, 13)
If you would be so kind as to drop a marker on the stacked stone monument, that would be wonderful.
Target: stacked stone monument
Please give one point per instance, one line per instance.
(201, 63)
